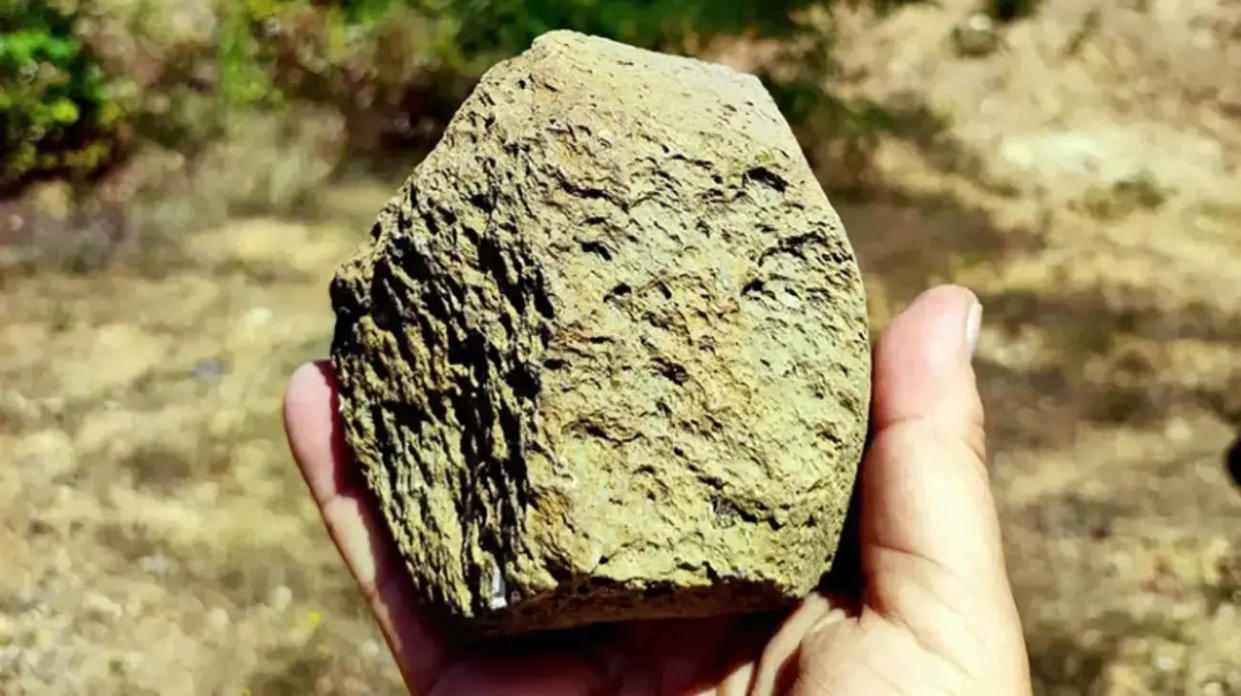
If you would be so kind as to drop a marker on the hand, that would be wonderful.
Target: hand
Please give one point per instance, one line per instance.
(936, 615)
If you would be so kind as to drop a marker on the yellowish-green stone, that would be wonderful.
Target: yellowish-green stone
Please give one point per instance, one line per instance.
(605, 355)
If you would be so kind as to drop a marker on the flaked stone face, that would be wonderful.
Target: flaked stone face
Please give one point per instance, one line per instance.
(605, 355)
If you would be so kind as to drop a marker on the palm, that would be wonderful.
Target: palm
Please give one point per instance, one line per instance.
(936, 614)
(647, 658)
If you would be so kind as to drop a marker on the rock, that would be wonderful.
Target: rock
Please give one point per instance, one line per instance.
(605, 355)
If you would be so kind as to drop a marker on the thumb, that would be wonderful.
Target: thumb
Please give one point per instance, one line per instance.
(930, 539)
(925, 490)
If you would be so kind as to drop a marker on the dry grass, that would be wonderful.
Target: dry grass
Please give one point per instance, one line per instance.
(158, 539)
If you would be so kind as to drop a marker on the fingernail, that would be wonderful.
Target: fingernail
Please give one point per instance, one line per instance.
(973, 325)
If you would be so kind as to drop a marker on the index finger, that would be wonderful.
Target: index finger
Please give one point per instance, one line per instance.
(312, 423)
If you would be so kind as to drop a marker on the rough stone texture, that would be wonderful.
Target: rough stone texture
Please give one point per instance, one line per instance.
(605, 355)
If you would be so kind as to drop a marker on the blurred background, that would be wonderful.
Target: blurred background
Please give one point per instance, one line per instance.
(179, 177)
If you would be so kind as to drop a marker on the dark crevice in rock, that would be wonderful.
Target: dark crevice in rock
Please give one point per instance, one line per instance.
(592, 429)
(428, 220)
(447, 214)
(590, 193)
(385, 307)
(412, 261)
(475, 413)
(673, 372)
(492, 481)
(484, 202)
(768, 178)
(349, 309)
(491, 260)
(618, 292)
(728, 513)
(542, 300)
(598, 249)
(524, 381)
(793, 246)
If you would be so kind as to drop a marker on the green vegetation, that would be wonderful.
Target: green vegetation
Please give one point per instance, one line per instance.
(89, 83)
(1126, 196)
(56, 116)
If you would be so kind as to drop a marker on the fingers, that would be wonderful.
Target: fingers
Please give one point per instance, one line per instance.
(922, 366)
(924, 484)
(777, 668)
(312, 424)
(930, 535)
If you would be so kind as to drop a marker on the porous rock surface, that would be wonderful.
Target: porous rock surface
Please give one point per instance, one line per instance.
(605, 355)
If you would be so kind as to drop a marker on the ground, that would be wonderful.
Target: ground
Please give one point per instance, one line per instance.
(1081, 171)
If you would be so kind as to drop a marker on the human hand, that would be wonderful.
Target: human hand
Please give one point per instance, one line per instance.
(935, 616)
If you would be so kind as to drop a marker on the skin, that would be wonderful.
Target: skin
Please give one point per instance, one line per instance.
(934, 613)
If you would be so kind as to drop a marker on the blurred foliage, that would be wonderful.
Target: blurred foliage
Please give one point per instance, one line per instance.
(90, 83)
(56, 116)
(398, 68)
(508, 25)
(1138, 192)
